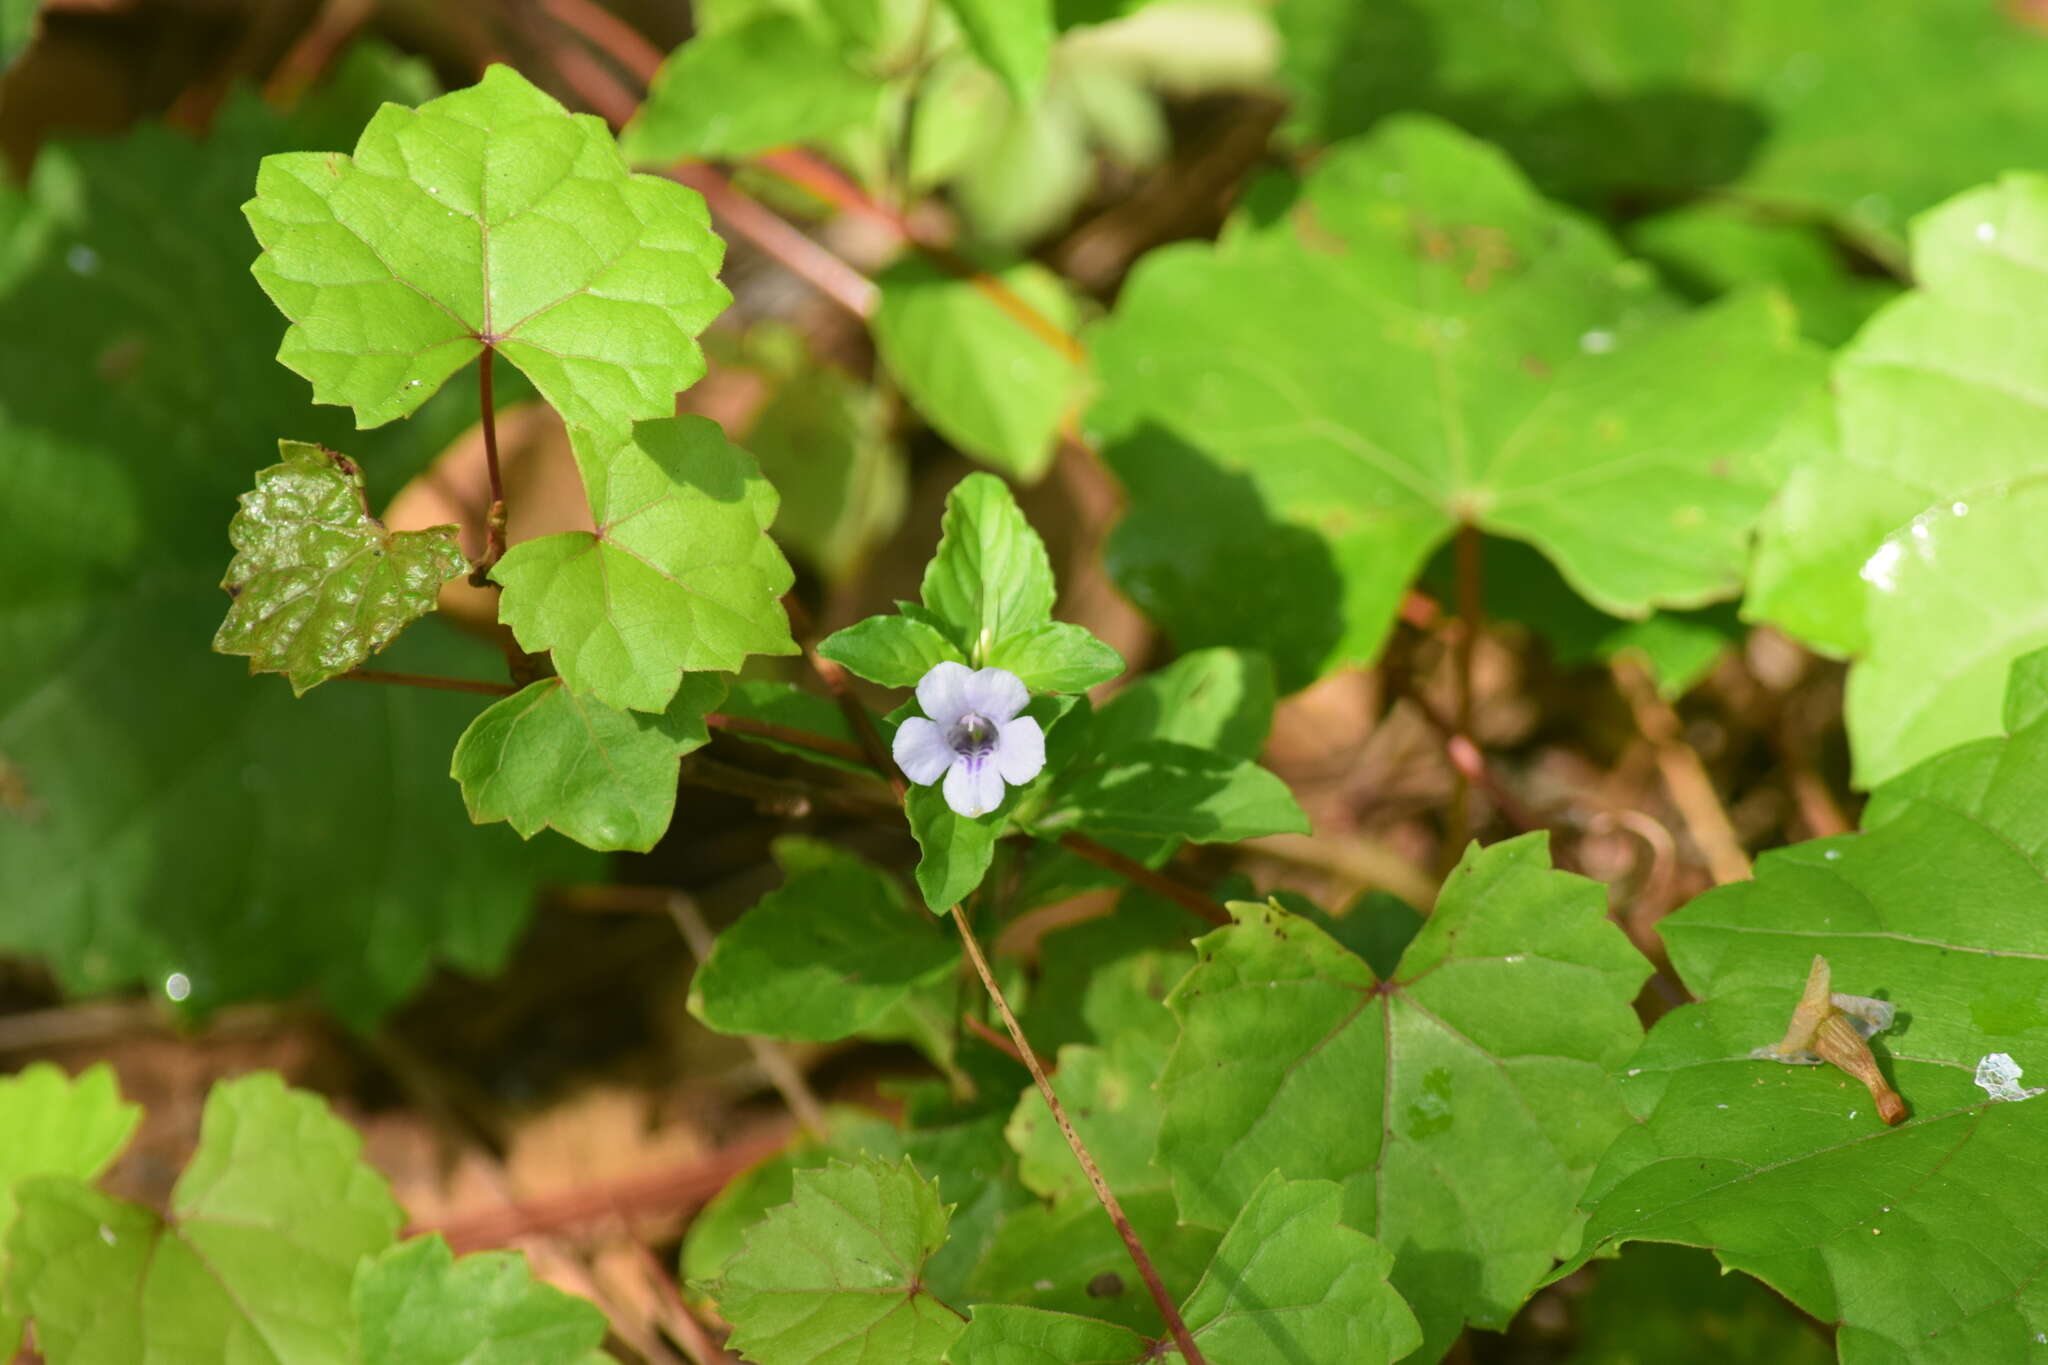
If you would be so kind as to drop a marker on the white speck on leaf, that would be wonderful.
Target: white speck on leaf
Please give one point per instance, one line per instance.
(1596, 343)
(1998, 1075)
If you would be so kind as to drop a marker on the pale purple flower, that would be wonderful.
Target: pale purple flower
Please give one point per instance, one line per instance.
(974, 738)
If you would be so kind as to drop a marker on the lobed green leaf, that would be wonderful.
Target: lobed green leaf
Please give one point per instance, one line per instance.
(679, 576)
(1484, 1103)
(488, 217)
(546, 758)
(834, 1276)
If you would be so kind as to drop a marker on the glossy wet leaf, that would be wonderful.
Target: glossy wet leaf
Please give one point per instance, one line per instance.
(488, 216)
(985, 381)
(56, 1126)
(546, 758)
(417, 1305)
(827, 954)
(781, 76)
(1476, 1105)
(1301, 414)
(255, 1261)
(319, 584)
(193, 820)
(680, 574)
(1907, 540)
(1778, 101)
(833, 1276)
(1918, 1239)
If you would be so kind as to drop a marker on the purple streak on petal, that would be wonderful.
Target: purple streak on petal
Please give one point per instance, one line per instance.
(995, 693)
(974, 787)
(1020, 750)
(921, 751)
(942, 693)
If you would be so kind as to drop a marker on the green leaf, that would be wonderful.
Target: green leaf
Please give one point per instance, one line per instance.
(1919, 1239)
(1106, 979)
(1678, 647)
(190, 820)
(1160, 788)
(265, 1230)
(1674, 1305)
(1611, 101)
(1109, 1097)
(490, 216)
(55, 1126)
(1301, 414)
(988, 595)
(1955, 597)
(1292, 1281)
(1001, 1334)
(546, 758)
(417, 1305)
(780, 77)
(990, 578)
(895, 651)
(1907, 538)
(824, 439)
(1288, 1282)
(1717, 248)
(679, 576)
(1057, 656)
(823, 957)
(1067, 1258)
(1220, 699)
(985, 381)
(1473, 1106)
(318, 583)
(967, 1160)
(957, 849)
(17, 29)
(1012, 37)
(833, 1276)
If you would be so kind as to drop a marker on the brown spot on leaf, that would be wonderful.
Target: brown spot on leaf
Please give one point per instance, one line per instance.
(1107, 1285)
(1536, 365)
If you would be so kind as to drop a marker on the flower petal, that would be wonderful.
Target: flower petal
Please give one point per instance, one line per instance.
(942, 693)
(995, 693)
(974, 787)
(921, 751)
(1020, 750)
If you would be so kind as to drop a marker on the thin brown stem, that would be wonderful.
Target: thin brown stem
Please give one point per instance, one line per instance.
(1685, 774)
(1135, 872)
(798, 254)
(1191, 1354)
(798, 739)
(494, 546)
(809, 172)
(840, 685)
(610, 35)
(379, 675)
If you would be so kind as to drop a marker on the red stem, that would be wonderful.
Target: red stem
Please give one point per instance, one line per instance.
(1131, 870)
